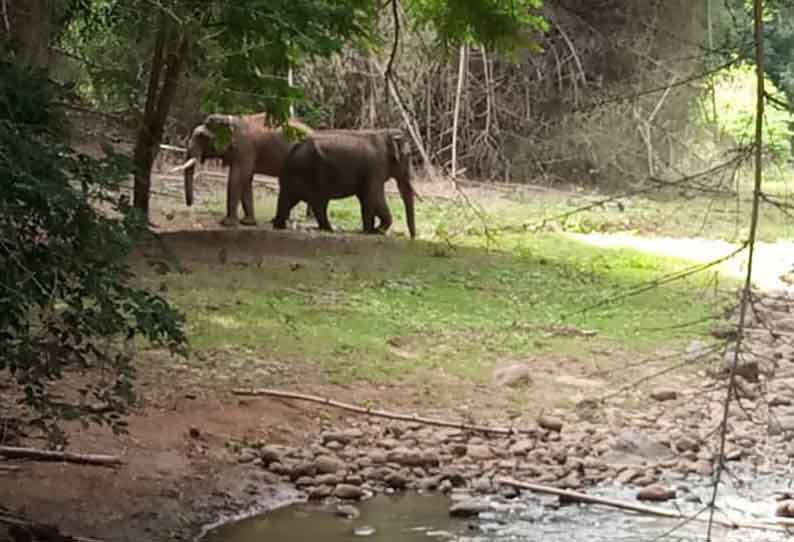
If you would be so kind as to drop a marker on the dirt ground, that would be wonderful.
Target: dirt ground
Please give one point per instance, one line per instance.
(179, 473)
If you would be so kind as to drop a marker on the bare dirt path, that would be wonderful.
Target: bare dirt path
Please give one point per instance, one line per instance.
(773, 261)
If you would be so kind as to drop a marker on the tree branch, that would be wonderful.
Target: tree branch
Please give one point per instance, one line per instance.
(747, 290)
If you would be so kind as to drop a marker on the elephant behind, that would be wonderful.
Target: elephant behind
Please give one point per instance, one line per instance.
(256, 146)
(342, 163)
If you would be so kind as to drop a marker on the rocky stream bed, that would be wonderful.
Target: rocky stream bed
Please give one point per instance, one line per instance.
(668, 441)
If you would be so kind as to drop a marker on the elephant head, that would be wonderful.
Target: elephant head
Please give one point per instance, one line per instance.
(200, 146)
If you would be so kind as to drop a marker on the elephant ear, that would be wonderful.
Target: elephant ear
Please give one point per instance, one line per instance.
(396, 145)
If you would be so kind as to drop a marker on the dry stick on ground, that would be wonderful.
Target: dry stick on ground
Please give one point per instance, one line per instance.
(381, 413)
(772, 524)
(758, 27)
(14, 452)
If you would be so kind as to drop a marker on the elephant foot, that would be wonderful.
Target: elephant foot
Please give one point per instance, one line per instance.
(279, 224)
(248, 221)
(229, 222)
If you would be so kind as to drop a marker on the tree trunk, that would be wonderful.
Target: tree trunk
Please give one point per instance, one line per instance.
(174, 43)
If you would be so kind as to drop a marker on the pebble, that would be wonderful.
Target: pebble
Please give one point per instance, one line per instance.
(469, 508)
(655, 493)
(550, 423)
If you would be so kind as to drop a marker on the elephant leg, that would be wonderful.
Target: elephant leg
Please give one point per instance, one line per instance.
(320, 209)
(380, 208)
(249, 218)
(367, 214)
(286, 202)
(233, 194)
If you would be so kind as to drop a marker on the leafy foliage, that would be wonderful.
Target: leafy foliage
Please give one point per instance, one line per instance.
(498, 24)
(65, 293)
(735, 97)
(241, 50)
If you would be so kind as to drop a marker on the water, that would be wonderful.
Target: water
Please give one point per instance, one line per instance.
(530, 518)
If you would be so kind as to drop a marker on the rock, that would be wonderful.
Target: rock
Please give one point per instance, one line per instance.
(634, 448)
(247, 455)
(364, 530)
(687, 444)
(778, 400)
(353, 479)
(319, 493)
(304, 481)
(445, 486)
(454, 477)
(430, 483)
(301, 469)
(664, 394)
(785, 509)
(330, 479)
(269, 454)
(347, 511)
(483, 485)
(378, 457)
(469, 508)
(509, 492)
(396, 480)
(780, 424)
(342, 437)
(280, 468)
(627, 475)
(349, 492)
(744, 368)
(521, 447)
(479, 451)
(194, 432)
(550, 423)
(733, 454)
(405, 457)
(655, 493)
(326, 464)
(785, 351)
(704, 468)
(458, 449)
(430, 458)
(645, 480)
(518, 374)
(785, 323)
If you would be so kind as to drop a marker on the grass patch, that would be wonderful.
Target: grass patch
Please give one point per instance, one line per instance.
(385, 308)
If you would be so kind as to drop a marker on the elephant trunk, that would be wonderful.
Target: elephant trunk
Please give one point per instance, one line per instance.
(407, 195)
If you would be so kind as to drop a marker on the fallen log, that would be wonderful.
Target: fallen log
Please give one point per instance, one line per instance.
(381, 413)
(14, 452)
(771, 524)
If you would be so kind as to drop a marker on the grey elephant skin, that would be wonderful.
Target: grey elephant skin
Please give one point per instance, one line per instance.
(256, 146)
(343, 163)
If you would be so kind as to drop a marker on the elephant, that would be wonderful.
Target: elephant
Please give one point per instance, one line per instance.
(337, 164)
(255, 147)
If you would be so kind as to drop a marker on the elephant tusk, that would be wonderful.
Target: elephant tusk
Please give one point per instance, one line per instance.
(190, 163)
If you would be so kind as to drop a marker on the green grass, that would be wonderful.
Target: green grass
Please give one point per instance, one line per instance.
(457, 302)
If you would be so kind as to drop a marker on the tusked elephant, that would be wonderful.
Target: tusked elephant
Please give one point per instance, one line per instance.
(255, 147)
(342, 163)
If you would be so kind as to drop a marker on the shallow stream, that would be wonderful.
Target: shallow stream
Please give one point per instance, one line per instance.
(529, 518)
